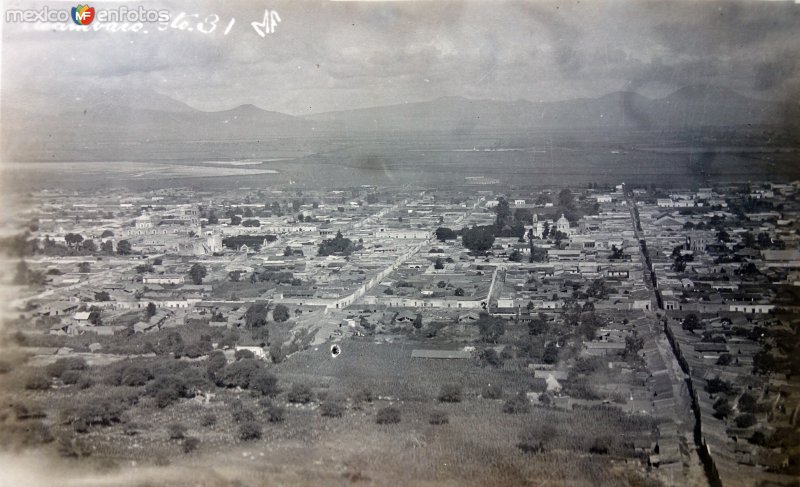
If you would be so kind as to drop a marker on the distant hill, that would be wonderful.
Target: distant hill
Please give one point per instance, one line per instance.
(695, 106)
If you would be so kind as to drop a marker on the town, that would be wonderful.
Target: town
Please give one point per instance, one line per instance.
(632, 334)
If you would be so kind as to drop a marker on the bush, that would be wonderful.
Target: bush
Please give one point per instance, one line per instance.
(530, 441)
(333, 406)
(238, 374)
(450, 393)
(717, 385)
(241, 414)
(275, 413)
(265, 383)
(745, 420)
(243, 354)
(249, 430)
(62, 365)
(493, 391)
(388, 415)
(280, 313)
(85, 382)
(209, 419)
(518, 404)
(300, 394)
(176, 431)
(37, 383)
(190, 444)
(70, 377)
(438, 417)
(364, 395)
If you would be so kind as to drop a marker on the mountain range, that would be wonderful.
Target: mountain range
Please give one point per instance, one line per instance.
(107, 118)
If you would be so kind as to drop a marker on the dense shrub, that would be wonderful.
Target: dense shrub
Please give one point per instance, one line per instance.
(264, 382)
(190, 444)
(70, 377)
(493, 391)
(518, 404)
(450, 393)
(209, 419)
(280, 313)
(333, 406)
(388, 415)
(238, 374)
(275, 413)
(176, 431)
(438, 417)
(243, 354)
(300, 393)
(249, 430)
(745, 420)
(62, 365)
(530, 441)
(37, 382)
(364, 395)
(240, 413)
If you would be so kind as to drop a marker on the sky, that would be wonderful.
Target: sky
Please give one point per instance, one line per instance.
(327, 55)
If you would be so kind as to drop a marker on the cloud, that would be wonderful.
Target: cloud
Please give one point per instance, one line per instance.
(333, 55)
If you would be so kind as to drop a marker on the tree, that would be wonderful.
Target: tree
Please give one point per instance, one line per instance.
(197, 273)
(550, 353)
(745, 420)
(339, 244)
(444, 233)
(477, 239)
(89, 246)
(150, 311)
(458, 292)
(84, 267)
(502, 212)
(418, 321)
(106, 234)
(264, 382)
(725, 359)
(518, 404)
(516, 256)
(566, 199)
(256, 315)
(690, 322)
(287, 252)
(236, 220)
(102, 296)
(94, 317)
(722, 408)
(281, 313)
(723, 236)
(124, 247)
(490, 327)
(107, 247)
(212, 218)
(251, 223)
(439, 264)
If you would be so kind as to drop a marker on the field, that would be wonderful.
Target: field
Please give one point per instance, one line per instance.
(477, 446)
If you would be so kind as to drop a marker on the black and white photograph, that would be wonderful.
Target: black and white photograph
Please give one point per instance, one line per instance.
(399, 243)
